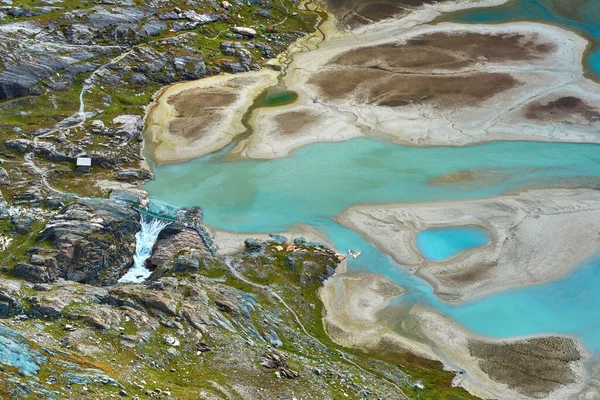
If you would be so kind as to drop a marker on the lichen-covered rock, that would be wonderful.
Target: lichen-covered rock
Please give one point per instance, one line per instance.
(33, 273)
(9, 300)
(91, 241)
(172, 241)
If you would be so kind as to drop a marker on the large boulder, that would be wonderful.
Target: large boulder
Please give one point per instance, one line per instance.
(90, 241)
(171, 242)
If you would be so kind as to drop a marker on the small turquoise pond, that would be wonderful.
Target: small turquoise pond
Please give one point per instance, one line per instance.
(439, 244)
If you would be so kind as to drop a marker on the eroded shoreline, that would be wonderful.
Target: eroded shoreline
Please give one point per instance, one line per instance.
(546, 366)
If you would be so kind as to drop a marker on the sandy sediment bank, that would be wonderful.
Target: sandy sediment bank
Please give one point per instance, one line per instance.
(360, 313)
(192, 119)
(444, 84)
(537, 236)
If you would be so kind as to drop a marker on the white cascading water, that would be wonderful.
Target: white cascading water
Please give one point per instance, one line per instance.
(144, 241)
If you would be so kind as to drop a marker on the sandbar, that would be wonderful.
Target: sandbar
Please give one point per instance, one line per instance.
(359, 313)
(537, 236)
(424, 85)
(192, 119)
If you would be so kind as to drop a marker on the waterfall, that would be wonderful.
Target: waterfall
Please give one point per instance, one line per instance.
(81, 111)
(144, 241)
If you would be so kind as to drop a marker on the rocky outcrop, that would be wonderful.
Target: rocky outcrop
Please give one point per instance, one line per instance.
(90, 241)
(127, 130)
(192, 218)
(172, 241)
(9, 299)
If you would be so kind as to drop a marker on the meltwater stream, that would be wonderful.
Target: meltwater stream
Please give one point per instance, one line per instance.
(144, 242)
(317, 182)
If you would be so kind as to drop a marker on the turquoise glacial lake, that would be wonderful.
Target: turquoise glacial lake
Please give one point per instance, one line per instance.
(439, 244)
(319, 181)
(581, 16)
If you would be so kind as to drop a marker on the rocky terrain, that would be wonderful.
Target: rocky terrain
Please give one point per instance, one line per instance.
(75, 77)
(196, 323)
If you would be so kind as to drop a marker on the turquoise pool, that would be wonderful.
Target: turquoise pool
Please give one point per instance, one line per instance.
(439, 244)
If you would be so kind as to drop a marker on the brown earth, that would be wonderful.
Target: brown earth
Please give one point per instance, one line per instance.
(354, 13)
(193, 102)
(446, 50)
(534, 367)
(562, 110)
(290, 122)
(474, 274)
(502, 47)
(197, 110)
(369, 86)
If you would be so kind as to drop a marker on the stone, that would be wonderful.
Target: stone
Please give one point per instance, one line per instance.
(187, 262)
(33, 273)
(21, 224)
(92, 241)
(254, 246)
(232, 67)
(4, 177)
(172, 341)
(249, 32)
(173, 240)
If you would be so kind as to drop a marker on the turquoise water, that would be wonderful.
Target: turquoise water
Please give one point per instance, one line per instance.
(439, 244)
(582, 16)
(319, 181)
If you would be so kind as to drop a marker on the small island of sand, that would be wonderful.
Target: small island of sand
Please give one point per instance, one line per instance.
(537, 236)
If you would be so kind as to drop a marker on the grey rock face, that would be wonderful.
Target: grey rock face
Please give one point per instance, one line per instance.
(33, 273)
(172, 241)
(9, 303)
(128, 130)
(92, 241)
